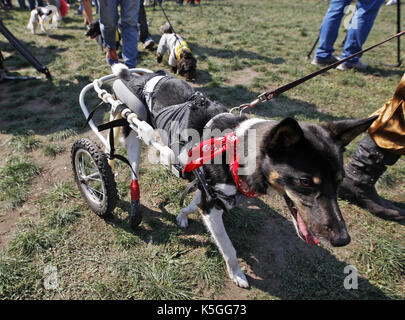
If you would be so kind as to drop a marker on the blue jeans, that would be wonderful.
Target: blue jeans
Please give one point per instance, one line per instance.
(33, 3)
(129, 27)
(359, 29)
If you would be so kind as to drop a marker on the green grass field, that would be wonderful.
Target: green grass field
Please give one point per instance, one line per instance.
(243, 48)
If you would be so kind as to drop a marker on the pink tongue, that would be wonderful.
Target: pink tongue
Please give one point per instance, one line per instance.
(303, 229)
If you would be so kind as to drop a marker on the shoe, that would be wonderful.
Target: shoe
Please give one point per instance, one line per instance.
(111, 56)
(359, 66)
(391, 2)
(324, 61)
(135, 216)
(149, 43)
(369, 162)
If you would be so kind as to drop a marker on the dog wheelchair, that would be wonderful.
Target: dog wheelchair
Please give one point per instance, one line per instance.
(92, 166)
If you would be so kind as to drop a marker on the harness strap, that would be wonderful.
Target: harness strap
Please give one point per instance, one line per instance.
(148, 90)
(112, 155)
(190, 188)
(91, 114)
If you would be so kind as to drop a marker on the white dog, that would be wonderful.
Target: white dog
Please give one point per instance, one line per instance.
(44, 17)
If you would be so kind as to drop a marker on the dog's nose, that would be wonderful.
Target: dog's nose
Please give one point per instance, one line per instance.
(341, 239)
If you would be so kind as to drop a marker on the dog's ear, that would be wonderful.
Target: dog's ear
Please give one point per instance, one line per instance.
(284, 135)
(345, 131)
(40, 12)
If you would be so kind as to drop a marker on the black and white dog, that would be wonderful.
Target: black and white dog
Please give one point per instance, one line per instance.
(45, 18)
(302, 161)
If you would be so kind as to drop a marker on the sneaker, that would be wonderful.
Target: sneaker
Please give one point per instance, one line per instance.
(149, 43)
(359, 66)
(391, 2)
(111, 56)
(324, 61)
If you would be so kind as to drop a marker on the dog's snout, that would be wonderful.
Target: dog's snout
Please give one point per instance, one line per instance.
(340, 239)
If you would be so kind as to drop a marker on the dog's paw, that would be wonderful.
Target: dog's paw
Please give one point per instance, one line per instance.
(182, 220)
(239, 279)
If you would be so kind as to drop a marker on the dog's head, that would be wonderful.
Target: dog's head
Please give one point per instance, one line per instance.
(93, 29)
(45, 14)
(166, 28)
(187, 65)
(304, 162)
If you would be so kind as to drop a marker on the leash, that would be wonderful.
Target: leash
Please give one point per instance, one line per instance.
(269, 95)
(168, 21)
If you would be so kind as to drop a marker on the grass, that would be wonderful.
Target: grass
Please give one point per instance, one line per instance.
(15, 178)
(243, 48)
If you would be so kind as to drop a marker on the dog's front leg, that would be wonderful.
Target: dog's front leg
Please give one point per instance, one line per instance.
(192, 207)
(214, 223)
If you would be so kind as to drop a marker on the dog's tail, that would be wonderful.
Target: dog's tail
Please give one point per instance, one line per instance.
(121, 70)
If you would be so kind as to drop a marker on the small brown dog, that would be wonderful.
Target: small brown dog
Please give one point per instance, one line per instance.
(181, 60)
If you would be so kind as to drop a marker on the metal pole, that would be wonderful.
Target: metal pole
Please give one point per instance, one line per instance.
(399, 61)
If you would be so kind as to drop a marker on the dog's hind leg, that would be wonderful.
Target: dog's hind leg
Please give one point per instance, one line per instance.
(215, 225)
(133, 146)
(182, 219)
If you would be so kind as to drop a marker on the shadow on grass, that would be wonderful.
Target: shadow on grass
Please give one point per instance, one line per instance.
(281, 264)
(43, 106)
(61, 37)
(44, 54)
(280, 107)
(286, 267)
(238, 53)
(384, 71)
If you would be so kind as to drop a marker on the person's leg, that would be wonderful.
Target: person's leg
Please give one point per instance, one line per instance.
(367, 165)
(22, 5)
(129, 28)
(144, 36)
(31, 5)
(330, 27)
(360, 27)
(143, 24)
(88, 14)
(108, 27)
(40, 3)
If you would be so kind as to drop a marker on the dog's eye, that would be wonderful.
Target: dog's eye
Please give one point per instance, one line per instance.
(305, 182)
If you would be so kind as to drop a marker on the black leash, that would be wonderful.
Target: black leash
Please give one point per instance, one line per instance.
(266, 96)
(168, 21)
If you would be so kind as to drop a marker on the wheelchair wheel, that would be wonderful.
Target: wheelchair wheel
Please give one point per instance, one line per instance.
(94, 177)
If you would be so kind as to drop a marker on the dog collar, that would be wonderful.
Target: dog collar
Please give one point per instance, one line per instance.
(211, 148)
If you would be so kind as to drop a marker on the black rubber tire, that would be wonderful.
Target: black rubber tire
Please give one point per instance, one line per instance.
(110, 196)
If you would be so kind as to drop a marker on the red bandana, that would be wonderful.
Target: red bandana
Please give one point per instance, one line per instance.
(209, 149)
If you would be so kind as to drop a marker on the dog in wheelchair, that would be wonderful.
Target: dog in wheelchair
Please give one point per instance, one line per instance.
(247, 157)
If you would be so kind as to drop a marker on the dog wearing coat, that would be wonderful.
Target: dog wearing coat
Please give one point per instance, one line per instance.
(247, 157)
(45, 18)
